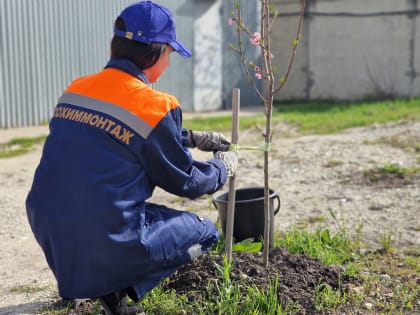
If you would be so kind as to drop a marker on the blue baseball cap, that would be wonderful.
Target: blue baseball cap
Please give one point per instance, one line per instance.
(148, 22)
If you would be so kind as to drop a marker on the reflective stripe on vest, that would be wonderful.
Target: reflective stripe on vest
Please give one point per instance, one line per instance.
(117, 87)
(125, 116)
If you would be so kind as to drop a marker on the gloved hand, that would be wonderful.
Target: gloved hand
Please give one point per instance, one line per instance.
(229, 159)
(209, 141)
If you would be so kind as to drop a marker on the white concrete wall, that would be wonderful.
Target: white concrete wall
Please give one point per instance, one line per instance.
(351, 57)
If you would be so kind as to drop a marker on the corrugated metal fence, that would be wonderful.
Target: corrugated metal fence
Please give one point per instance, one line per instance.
(45, 44)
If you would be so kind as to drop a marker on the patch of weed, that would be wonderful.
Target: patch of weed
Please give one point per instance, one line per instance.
(379, 173)
(333, 163)
(28, 289)
(19, 146)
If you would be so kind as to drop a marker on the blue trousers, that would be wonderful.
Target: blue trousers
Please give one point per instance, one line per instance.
(174, 238)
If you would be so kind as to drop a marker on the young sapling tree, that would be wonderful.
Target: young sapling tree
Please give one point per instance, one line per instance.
(273, 82)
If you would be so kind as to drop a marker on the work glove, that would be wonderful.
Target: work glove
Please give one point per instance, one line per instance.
(208, 141)
(229, 159)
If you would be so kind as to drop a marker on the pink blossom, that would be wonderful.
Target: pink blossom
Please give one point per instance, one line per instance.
(230, 21)
(258, 75)
(255, 39)
(257, 69)
(271, 56)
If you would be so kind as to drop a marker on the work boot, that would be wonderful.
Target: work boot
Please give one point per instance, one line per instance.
(116, 304)
(76, 304)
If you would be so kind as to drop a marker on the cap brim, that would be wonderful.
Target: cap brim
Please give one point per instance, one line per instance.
(180, 49)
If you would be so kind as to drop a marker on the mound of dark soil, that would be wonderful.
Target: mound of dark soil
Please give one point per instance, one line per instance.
(298, 275)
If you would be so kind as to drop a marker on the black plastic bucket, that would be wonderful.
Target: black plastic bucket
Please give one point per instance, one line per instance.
(249, 213)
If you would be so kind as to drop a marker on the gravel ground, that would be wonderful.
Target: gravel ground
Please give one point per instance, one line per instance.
(320, 180)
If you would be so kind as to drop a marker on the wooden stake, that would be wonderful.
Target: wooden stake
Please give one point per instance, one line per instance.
(231, 194)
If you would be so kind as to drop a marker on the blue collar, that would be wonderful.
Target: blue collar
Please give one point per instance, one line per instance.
(127, 66)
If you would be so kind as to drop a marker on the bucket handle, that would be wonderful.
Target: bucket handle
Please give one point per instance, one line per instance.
(277, 208)
(273, 196)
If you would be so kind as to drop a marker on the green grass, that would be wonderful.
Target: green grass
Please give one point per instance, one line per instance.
(19, 146)
(28, 289)
(330, 248)
(329, 117)
(320, 117)
(397, 295)
(327, 299)
(378, 173)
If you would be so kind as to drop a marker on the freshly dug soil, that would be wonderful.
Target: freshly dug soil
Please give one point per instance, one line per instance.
(298, 276)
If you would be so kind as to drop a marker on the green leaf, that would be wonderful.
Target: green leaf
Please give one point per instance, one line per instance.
(247, 246)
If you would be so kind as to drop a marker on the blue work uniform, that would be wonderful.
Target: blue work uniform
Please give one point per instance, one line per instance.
(112, 140)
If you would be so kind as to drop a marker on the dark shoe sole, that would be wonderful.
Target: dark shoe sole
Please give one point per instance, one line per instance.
(108, 311)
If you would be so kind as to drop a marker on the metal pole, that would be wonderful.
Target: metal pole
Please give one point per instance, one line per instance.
(231, 194)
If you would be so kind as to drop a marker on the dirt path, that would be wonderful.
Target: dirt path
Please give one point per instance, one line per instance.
(317, 177)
